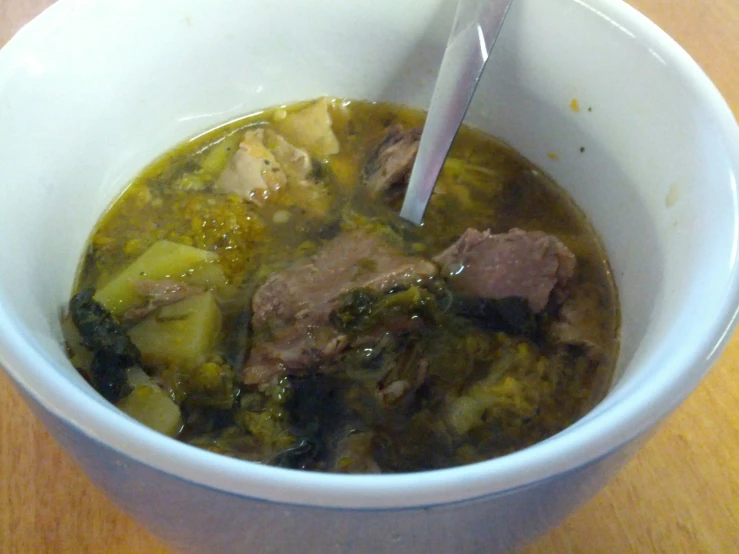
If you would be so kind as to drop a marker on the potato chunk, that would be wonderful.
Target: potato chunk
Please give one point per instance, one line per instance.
(311, 128)
(181, 334)
(150, 405)
(163, 259)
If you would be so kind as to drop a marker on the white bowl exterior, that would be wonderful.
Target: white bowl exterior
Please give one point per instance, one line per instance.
(93, 91)
(195, 519)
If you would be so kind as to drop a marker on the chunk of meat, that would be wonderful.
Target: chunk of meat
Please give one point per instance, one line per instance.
(292, 350)
(253, 171)
(158, 293)
(517, 263)
(267, 162)
(310, 289)
(389, 166)
(580, 320)
(292, 308)
(294, 161)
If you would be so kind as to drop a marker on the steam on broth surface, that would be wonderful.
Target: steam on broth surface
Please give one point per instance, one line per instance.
(254, 293)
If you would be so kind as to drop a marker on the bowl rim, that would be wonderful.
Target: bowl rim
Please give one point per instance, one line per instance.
(33, 370)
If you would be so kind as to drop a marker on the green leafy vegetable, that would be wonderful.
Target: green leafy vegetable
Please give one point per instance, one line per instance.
(510, 315)
(316, 409)
(112, 349)
(361, 309)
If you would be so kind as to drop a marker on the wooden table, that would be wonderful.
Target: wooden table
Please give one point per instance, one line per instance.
(679, 495)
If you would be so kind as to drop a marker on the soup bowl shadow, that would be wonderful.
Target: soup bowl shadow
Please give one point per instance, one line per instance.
(651, 156)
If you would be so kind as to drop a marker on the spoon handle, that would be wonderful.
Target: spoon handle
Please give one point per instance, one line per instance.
(477, 24)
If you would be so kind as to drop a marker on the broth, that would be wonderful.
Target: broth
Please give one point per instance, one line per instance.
(212, 311)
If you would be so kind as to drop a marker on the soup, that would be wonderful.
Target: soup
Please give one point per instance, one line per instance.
(254, 293)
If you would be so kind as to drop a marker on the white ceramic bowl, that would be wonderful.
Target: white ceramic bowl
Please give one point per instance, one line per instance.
(90, 92)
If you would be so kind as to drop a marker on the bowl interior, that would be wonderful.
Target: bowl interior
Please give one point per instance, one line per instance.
(84, 109)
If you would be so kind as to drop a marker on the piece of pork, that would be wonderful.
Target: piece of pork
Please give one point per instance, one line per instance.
(253, 171)
(158, 293)
(266, 162)
(292, 308)
(580, 321)
(294, 161)
(517, 263)
(391, 161)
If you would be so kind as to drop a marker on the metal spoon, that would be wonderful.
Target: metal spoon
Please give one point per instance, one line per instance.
(477, 24)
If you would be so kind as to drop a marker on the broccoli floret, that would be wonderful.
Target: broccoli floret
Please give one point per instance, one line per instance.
(211, 384)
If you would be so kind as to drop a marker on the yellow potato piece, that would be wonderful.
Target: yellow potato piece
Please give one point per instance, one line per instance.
(181, 334)
(311, 128)
(150, 405)
(163, 259)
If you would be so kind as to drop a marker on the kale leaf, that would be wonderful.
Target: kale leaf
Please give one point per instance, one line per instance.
(112, 349)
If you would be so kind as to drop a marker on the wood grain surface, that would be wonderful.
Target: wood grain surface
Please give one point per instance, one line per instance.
(679, 495)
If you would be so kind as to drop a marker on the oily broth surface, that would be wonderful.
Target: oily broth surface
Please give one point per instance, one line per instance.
(485, 184)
